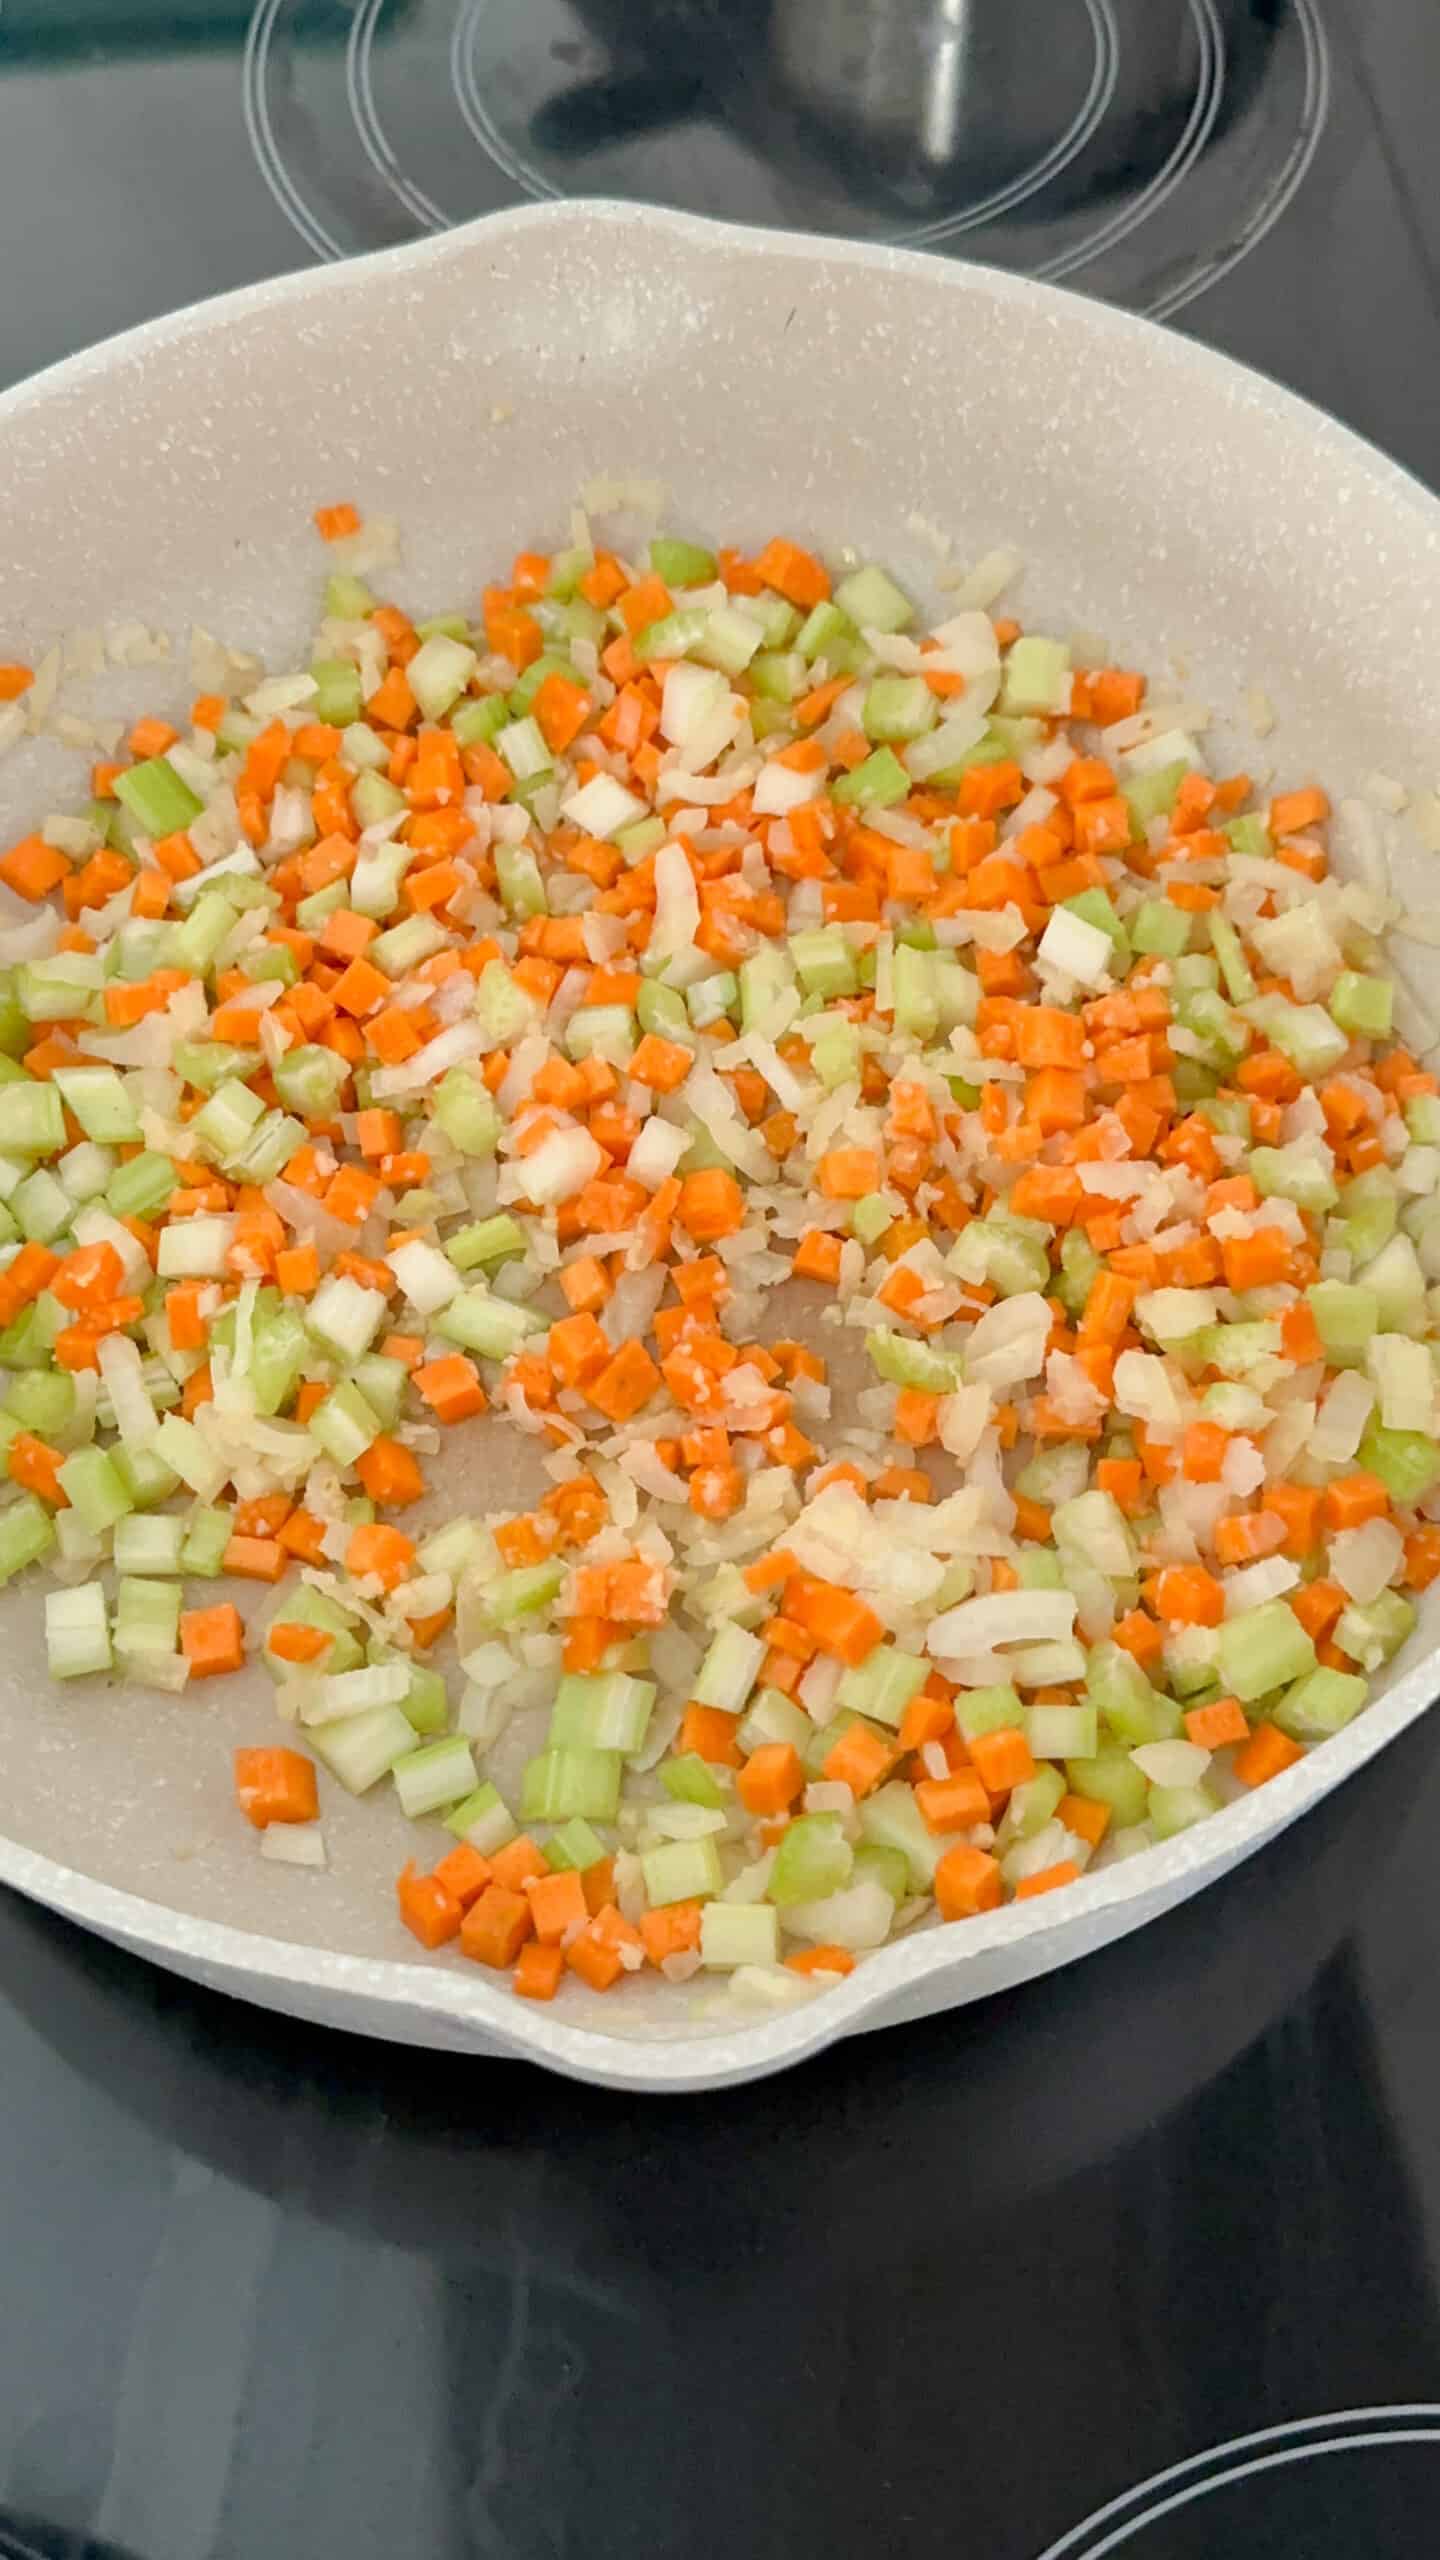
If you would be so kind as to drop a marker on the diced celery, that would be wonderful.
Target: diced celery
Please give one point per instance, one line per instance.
(916, 992)
(77, 1632)
(728, 1673)
(41, 1400)
(877, 783)
(1153, 795)
(1263, 1649)
(904, 1363)
(891, 1819)
(491, 1326)
(1298, 1172)
(873, 602)
(347, 599)
(1173, 1809)
(360, 1749)
(34, 1119)
(144, 1474)
(1305, 1032)
(1032, 1803)
(1372, 1632)
(207, 1535)
(141, 1187)
(834, 1050)
(779, 675)
(467, 1113)
(1037, 677)
(344, 1425)
(1406, 1462)
(681, 1871)
(147, 1616)
(345, 1316)
(1363, 1006)
(484, 1819)
(1079, 1270)
(1009, 1255)
(1110, 1777)
(148, 1543)
(1346, 1316)
(575, 1781)
(772, 1717)
(601, 1031)
(691, 1780)
(897, 709)
(437, 1775)
(439, 673)
(156, 797)
(813, 1859)
(988, 1710)
(524, 1592)
(1398, 1284)
(601, 1711)
(27, 1532)
(92, 1486)
(41, 1207)
(824, 962)
(829, 633)
(100, 1103)
(738, 1933)
(1127, 1705)
(883, 1685)
(522, 694)
(1158, 928)
(337, 697)
(487, 1244)
(1319, 1704)
(681, 564)
(1063, 1733)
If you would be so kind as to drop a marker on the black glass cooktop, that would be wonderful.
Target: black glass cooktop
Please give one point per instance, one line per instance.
(1143, 2258)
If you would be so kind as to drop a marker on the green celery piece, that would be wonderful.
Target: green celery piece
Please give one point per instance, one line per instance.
(1406, 1462)
(813, 1859)
(873, 602)
(877, 783)
(691, 1780)
(1111, 1778)
(1263, 1649)
(337, 699)
(156, 797)
(897, 708)
(27, 1532)
(681, 564)
(575, 1846)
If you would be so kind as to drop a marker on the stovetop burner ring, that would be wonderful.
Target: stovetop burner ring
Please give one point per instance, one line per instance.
(1176, 140)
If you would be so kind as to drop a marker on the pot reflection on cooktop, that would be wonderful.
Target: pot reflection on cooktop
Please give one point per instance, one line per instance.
(1138, 146)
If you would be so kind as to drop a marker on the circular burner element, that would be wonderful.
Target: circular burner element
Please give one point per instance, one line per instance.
(1138, 148)
(1276, 2495)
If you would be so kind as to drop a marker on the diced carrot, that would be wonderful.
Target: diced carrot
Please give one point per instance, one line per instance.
(557, 1906)
(430, 1913)
(967, 1882)
(495, 1928)
(274, 1784)
(1002, 1759)
(1064, 1871)
(212, 1640)
(771, 1778)
(1265, 1755)
(538, 1971)
(1213, 1727)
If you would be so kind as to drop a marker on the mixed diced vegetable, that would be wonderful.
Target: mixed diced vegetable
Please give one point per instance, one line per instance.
(922, 1161)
